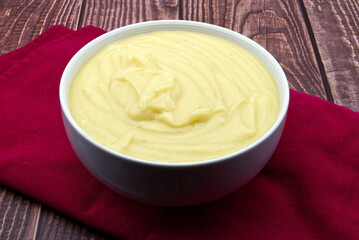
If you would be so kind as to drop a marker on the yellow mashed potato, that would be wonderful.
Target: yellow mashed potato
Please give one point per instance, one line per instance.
(174, 96)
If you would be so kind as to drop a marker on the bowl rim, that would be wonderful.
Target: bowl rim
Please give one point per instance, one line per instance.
(66, 111)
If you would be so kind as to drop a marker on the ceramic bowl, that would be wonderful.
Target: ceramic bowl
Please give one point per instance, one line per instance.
(173, 184)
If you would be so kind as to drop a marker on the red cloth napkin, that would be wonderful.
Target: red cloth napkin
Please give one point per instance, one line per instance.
(308, 190)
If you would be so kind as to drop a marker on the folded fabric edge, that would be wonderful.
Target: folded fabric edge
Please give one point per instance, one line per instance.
(31, 49)
(327, 102)
(8, 59)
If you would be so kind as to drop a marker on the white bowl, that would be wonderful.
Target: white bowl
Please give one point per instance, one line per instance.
(173, 184)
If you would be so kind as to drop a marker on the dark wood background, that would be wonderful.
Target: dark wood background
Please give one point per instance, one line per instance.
(315, 41)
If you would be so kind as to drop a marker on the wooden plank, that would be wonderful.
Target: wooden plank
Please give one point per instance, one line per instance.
(336, 29)
(277, 25)
(23, 20)
(18, 215)
(54, 226)
(109, 15)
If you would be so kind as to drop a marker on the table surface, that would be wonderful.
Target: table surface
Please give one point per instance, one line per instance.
(316, 42)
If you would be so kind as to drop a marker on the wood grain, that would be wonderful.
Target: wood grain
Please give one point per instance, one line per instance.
(336, 30)
(53, 225)
(23, 20)
(18, 215)
(276, 25)
(109, 15)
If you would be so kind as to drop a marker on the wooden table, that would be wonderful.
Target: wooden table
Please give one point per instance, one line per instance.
(315, 41)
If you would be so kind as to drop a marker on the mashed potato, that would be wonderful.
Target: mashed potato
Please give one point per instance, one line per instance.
(174, 96)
